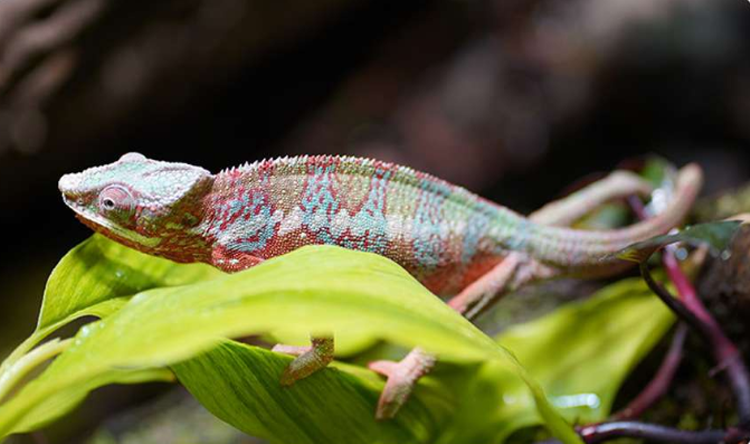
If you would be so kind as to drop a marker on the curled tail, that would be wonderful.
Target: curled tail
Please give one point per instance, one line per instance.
(571, 248)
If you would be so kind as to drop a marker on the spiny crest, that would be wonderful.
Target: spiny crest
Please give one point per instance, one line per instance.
(350, 165)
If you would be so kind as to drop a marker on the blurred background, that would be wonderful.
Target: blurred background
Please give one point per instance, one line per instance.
(512, 99)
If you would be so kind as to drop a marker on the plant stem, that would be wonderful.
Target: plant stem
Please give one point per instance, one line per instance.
(21, 367)
(661, 381)
(726, 354)
(20, 351)
(691, 309)
(693, 313)
(650, 432)
(597, 433)
(685, 289)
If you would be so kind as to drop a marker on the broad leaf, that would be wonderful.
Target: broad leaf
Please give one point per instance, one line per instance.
(717, 235)
(580, 354)
(318, 289)
(69, 397)
(99, 270)
(96, 278)
(240, 384)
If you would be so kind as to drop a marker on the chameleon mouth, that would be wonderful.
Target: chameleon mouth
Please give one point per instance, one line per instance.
(108, 228)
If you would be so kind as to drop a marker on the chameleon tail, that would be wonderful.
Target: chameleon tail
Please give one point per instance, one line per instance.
(570, 248)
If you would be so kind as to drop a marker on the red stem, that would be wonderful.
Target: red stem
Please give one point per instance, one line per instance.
(725, 352)
(694, 314)
(661, 381)
(650, 432)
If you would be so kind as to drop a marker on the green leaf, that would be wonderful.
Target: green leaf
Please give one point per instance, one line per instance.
(99, 270)
(717, 235)
(67, 398)
(580, 354)
(240, 384)
(318, 289)
(96, 278)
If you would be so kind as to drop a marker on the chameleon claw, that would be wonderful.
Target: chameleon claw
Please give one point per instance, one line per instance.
(402, 376)
(308, 361)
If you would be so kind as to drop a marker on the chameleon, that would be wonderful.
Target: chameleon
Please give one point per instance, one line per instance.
(453, 241)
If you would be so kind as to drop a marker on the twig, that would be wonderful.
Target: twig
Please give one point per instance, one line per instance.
(725, 353)
(674, 304)
(651, 432)
(661, 381)
(40, 38)
(690, 308)
(693, 313)
(655, 433)
(13, 13)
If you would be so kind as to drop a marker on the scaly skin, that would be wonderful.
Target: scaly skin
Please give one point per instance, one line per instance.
(446, 237)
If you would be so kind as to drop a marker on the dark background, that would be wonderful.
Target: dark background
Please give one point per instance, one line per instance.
(513, 99)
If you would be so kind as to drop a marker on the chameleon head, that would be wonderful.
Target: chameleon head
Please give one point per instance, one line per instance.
(137, 201)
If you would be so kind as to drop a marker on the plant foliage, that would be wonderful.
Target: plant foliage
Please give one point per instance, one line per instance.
(157, 314)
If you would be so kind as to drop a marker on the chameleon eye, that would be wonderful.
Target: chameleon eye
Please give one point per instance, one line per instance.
(116, 198)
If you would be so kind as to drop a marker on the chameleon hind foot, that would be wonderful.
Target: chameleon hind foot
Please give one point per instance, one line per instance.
(402, 376)
(308, 359)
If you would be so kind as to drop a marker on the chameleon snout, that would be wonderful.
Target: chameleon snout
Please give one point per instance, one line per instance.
(68, 184)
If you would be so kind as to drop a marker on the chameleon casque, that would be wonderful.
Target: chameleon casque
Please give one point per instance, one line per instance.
(454, 242)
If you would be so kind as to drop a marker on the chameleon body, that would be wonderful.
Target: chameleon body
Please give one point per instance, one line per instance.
(442, 234)
(445, 236)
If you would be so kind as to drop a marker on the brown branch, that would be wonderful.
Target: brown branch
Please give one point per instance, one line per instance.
(39, 38)
(14, 13)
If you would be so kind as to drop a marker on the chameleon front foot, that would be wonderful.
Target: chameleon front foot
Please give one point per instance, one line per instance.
(308, 360)
(402, 376)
